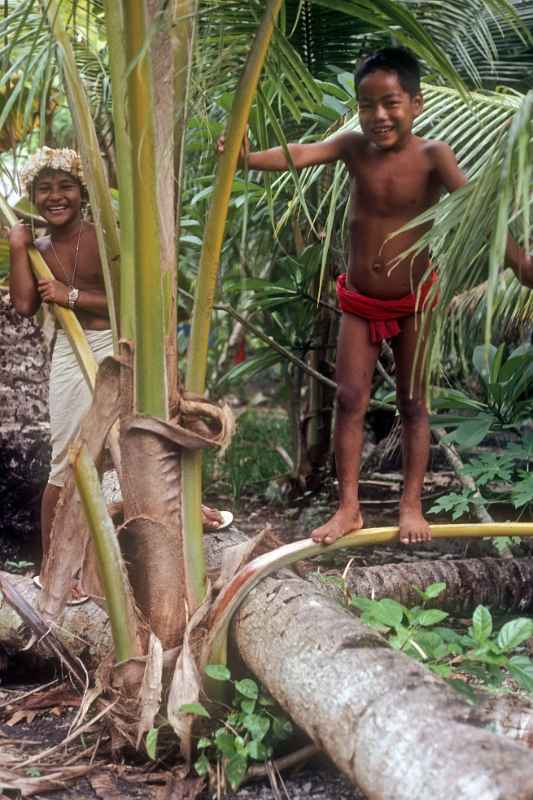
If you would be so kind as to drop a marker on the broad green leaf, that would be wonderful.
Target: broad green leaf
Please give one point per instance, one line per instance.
(202, 765)
(257, 750)
(388, 612)
(235, 770)
(225, 742)
(522, 491)
(248, 706)
(248, 688)
(481, 624)
(514, 633)
(218, 672)
(434, 589)
(197, 709)
(521, 668)
(431, 616)
(472, 432)
(151, 743)
(257, 725)
(362, 603)
(203, 742)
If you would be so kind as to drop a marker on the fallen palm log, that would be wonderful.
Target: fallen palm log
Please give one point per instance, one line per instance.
(84, 629)
(507, 715)
(505, 584)
(392, 727)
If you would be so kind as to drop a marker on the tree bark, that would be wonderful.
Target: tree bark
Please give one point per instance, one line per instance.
(85, 629)
(506, 584)
(393, 728)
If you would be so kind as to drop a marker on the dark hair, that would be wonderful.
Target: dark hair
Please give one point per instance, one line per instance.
(392, 59)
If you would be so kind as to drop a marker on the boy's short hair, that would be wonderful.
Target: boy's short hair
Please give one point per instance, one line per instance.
(58, 159)
(391, 59)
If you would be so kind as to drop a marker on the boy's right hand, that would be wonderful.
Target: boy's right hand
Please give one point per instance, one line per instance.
(20, 236)
(244, 152)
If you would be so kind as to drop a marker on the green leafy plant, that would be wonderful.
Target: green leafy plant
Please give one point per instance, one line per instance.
(499, 477)
(249, 731)
(486, 654)
(251, 462)
(502, 402)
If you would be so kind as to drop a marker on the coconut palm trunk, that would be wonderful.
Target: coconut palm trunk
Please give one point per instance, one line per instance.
(505, 584)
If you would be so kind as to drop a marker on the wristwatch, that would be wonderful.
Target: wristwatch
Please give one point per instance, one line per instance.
(72, 297)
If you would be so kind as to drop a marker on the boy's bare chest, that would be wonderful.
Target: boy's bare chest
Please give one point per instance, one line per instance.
(393, 188)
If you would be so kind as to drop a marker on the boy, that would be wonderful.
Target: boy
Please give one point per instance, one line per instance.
(395, 176)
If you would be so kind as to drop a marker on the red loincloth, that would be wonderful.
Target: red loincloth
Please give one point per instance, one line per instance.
(382, 315)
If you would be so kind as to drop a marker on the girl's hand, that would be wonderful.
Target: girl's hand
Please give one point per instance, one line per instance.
(20, 237)
(53, 292)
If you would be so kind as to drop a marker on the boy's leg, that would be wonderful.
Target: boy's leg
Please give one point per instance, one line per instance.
(356, 360)
(415, 428)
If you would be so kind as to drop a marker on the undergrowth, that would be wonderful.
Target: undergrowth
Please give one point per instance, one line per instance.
(486, 653)
(245, 732)
(251, 462)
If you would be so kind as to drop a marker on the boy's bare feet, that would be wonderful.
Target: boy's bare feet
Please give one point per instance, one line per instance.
(343, 522)
(413, 527)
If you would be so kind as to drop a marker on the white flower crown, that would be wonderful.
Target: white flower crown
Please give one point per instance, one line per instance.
(51, 158)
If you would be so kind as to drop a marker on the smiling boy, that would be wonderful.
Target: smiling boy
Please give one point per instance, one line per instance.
(395, 176)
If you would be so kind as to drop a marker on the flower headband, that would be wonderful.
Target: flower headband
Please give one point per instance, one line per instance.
(50, 158)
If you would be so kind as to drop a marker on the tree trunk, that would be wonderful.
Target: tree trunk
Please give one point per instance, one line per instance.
(506, 584)
(24, 427)
(85, 629)
(393, 728)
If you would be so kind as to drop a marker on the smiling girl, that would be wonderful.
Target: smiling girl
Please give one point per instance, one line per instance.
(53, 180)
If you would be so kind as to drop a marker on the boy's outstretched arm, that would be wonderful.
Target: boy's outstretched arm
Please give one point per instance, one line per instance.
(453, 178)
(302, 155)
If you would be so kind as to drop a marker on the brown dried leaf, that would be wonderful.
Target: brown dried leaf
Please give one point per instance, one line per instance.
(180, 789)
(105, 786)
(152, 687)
(21, 716)
(58, 696)
(44, 783)
(186, 684)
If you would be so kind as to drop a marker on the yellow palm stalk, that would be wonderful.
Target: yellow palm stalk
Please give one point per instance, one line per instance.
(205, 292)
(93, 167)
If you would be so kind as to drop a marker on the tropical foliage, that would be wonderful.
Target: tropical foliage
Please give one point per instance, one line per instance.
(97, 74)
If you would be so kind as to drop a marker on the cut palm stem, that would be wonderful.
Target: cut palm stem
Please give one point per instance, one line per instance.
(235, 591)
(151, 391)
(93, 165)
(111, 568)
(206, 284)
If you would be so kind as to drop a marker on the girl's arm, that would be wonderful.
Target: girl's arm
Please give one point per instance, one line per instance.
(93, 301)
(22, 284)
